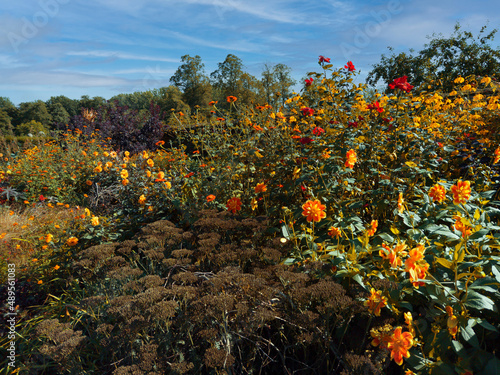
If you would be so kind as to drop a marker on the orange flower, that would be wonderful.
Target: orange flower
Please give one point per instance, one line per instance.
(351, 159)
(409, 322)
(94, 221)
(399, 344)
(380, 338)
(461, 192)
(373, 228)
(234, 204)
(151, 163)
(393, 255)
(160, 143)
(437, 193)
(260, 188)
(334, 232)
(462, 226)
(210, 198)
(451, 322)
(401, 207)
(72, 241)
(48, 238)
(375, 302)
(125, 182)
(497, 156)
(231, 99)
(416, 266)
(314, 210)
(142, 199)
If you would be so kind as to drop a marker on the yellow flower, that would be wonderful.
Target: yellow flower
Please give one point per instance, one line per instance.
(486, 80)
(124, 174)
(127, 154)
(148, 173)
(459, 80)
(375, 302)
(254, 204)
(113, 154)
(94, 221)
(313, 210)
(168, 184)
(150, 162)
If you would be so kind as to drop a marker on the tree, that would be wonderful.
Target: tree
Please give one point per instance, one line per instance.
(442, 60)
(191, 79)
(170, 98)
(5, 123)
(59, 114)
(276, 83)
(36, 111)
(71, 106)
(231, 80)
(31, 127)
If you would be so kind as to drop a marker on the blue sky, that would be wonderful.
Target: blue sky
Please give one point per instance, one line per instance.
(107, 47)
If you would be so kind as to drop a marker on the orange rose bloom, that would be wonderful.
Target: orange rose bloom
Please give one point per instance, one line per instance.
(314, 210)
(461, 192)
(234, 204)
(72, 241)
(351, 159)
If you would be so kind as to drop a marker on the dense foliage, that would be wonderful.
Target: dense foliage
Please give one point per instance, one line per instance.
(330, 235)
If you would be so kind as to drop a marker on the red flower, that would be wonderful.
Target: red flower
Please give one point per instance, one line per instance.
(400, 83)
(309, 81)
(305, 140)
(324, 59)
(41, 198)
(318, 131)
(306, 111)
(376, 106)
(234, 204)
(350, 66)
(352, 124)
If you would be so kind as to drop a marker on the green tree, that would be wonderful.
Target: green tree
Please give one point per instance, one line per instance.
(32, 127)
(90, 103)
(36, 111)
(5, 123)
(231, 80)
(190, 77)
(59, 114)
(170, 98)
(70, 105)
(442, 60)
(276, 83)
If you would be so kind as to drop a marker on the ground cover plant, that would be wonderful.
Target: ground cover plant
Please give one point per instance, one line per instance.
(340, 233)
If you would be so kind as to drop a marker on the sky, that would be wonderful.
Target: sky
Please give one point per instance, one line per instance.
(107, 47)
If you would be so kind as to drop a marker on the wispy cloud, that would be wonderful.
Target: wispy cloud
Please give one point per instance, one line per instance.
(119, 55)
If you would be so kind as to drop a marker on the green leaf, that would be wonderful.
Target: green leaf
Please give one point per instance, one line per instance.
(478, 301)
(469, 335)
(386, 237)
(486, 283)
(284, 230)
(483, 323)
(479, 234)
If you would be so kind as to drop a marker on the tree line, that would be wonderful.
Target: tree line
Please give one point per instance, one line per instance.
(191, 88)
